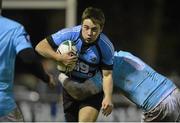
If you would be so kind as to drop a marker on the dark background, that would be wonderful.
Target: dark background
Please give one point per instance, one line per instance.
(147, 28)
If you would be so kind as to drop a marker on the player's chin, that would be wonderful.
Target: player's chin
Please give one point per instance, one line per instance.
(89, 40)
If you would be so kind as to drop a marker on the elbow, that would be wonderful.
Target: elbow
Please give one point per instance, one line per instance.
(37, 49)
(40, 47)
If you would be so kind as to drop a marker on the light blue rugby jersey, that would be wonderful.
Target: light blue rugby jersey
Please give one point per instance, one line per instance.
(12, 41)
(92, 56)
(139, 82)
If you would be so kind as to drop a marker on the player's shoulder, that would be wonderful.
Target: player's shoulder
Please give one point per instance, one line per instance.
(70, 33)
(104, 40)
(105, 43)
(75, 29)
(8, 24)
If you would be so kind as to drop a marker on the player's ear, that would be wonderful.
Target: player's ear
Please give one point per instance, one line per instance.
(101, 28)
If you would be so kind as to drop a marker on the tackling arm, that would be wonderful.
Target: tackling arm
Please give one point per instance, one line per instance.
(80, 91)
(29, 57)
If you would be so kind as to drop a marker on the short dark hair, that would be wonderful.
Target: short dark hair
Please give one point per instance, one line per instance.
(95, 14)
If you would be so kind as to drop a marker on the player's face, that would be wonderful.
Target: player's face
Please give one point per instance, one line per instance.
(90, 31)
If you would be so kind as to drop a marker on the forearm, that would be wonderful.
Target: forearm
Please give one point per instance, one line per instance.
(45, 50)
(29, 57)
(77, 90)
(108, 85)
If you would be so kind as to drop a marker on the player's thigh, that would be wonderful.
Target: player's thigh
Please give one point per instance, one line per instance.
(90, 107)
(88, 114)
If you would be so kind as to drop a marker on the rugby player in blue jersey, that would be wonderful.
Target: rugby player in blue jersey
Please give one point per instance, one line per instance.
(95, 53)
(14, 42)
(155, 94)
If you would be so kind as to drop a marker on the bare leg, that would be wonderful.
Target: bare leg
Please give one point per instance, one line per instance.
(88, 114)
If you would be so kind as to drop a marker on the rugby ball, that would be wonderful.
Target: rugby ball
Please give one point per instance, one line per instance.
(66, 47)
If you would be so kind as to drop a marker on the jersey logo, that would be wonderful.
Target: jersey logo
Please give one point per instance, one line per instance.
(93, 59)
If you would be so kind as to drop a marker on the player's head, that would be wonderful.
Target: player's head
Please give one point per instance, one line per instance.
(0, 6)
(92, 23)
(94, 14)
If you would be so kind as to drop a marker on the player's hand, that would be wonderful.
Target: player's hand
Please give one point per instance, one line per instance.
(62, 77)
(107, 106)
(69, 58)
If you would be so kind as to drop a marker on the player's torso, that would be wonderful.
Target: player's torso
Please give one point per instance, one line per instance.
(7, 61)
(89, 58)
(7, 55)
(128, 71)
(138, 81)
(11, 42)
(90, 55)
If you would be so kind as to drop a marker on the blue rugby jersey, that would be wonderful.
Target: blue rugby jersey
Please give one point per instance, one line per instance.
(13, 39)
(139, 82)
(92, 57)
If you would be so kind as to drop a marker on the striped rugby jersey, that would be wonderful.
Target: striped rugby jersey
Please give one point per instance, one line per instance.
(92, 57)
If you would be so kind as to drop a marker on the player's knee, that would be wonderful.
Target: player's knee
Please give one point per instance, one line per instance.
(88, 114)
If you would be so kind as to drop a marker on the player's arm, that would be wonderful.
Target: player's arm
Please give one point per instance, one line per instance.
(45, 49)
(83, 90)
(108, 89)
(29, 57)
(107, 51)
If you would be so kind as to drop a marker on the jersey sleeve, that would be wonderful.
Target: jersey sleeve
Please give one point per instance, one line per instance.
(57, 38)
(107, 51)
(21, 39)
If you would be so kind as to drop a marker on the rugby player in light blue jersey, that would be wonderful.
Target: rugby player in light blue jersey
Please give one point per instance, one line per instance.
(155, 94)
(95, 52)
(14, 41)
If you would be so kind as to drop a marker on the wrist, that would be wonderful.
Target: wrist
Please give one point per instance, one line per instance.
(62, 78)
(108, 96)
(57, 57)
